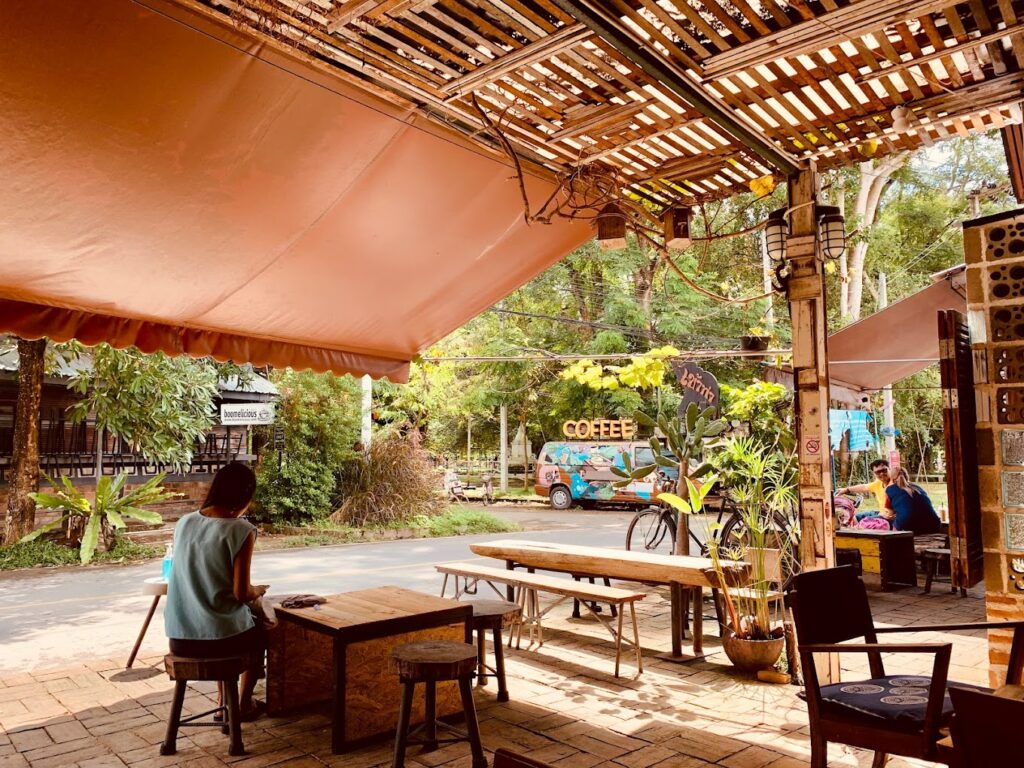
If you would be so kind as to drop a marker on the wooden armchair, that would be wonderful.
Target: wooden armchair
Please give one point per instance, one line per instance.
(986, 728)
(899, 715)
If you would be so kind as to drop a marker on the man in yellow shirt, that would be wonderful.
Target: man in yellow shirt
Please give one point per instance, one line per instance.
(880, 469)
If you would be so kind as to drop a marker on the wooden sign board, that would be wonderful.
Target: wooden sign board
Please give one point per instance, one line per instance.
(699, 386)
(600, 429)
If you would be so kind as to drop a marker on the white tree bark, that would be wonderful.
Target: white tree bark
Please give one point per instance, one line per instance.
(865, 209)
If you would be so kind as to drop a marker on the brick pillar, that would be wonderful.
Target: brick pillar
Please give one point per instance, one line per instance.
(994, 248)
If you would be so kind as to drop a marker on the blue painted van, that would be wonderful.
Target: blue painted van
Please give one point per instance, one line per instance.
(569, 472)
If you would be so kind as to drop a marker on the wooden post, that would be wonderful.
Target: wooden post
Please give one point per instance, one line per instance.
(806, 294)
(503, 452)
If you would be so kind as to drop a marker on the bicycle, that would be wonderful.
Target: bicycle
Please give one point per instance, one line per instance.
(654, 530)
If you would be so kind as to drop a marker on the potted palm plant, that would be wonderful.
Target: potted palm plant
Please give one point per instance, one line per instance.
(761, 482)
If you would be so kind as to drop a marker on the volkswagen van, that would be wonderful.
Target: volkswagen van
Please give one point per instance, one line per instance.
(580, 472)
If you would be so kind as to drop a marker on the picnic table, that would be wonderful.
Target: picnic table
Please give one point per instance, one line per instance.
(340, 651)
(684, 575)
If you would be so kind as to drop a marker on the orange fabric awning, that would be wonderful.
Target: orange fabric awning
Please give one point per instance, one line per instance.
(897, 341)
(168, 182)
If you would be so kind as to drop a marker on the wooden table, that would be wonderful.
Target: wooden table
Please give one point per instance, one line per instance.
(682, 574)
(887, 555)
(341, 651)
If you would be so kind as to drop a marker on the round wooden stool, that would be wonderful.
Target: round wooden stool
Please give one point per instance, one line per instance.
(429, 662)
(493, 615)
(224, 671)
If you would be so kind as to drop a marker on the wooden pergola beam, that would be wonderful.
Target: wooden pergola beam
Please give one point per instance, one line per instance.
(823, 31)
(674, 79)
(531, 53)
(991, 37)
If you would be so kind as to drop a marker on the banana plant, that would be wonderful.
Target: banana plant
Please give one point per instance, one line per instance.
(106, 514)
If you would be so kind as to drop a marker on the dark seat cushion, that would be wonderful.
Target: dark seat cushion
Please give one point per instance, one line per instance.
(896, 699)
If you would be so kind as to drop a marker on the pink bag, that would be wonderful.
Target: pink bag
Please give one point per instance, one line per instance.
(845, 510)
(874, 524)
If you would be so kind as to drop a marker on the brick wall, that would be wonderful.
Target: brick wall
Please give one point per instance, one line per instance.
(994, 247)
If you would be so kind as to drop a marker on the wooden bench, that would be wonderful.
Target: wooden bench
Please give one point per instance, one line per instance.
(885, 555)
(528, 585)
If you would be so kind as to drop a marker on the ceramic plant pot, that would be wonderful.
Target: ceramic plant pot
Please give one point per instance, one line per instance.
(752, 655)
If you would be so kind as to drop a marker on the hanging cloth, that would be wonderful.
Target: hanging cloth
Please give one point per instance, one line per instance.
(861, 438)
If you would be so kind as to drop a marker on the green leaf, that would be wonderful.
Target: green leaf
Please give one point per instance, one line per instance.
(115, 519)
(644, 420)
(702, 470)
(676, 502)
(714, 429)
(622, 483)
(665, 461)
(42, 529)
(618, 472)
(641, 472)
(691, 416)
(145, 515)
(90, 539)
(102, 491)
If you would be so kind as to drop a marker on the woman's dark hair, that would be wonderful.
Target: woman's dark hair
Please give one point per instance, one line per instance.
(232, 488)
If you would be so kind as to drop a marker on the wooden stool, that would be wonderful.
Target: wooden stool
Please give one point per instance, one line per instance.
(494, 615)
(224, 671)
(157, 587)
(931, 559)
(428, 662)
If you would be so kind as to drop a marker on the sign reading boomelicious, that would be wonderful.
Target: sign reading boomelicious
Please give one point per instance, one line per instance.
(699, 386)
(233, 414)
(600, 429)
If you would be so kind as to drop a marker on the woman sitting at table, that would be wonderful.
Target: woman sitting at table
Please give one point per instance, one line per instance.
(206, 615)
(908, 505)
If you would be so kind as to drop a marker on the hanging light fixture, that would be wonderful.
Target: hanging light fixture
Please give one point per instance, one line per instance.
(611, 227)
(901, 117)
(776, 230)
(676, 223)
(831, 231)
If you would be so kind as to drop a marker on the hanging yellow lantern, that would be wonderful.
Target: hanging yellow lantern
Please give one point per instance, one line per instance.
(762, 186)
(868, 148)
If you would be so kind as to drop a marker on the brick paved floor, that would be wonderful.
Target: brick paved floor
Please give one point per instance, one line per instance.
(567, 709)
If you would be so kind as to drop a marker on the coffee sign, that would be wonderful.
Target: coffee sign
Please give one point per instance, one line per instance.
(699, 386)
(600, 429)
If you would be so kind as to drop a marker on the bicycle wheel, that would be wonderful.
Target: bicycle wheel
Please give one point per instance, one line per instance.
(781, 533)
(652, 530)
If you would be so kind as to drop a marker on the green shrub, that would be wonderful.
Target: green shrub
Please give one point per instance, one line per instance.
(42, 553)
(389, 484)
(320, 417)
(459, 521)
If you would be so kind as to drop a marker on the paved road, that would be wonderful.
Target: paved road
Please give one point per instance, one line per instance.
(48, 617)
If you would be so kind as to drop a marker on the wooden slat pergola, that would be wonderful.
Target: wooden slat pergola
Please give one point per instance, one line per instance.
(680, 101)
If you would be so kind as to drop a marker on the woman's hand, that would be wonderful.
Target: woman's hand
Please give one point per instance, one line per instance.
(257, 590)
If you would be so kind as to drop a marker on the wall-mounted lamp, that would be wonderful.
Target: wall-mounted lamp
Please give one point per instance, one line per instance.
(831, 231)
(776, 230)
(611, 227)
(676, 223)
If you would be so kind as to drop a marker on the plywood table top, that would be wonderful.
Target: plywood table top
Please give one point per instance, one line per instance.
(613, 563)
(371, 613)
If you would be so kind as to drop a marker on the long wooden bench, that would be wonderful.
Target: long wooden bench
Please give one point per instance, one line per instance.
(528, 585)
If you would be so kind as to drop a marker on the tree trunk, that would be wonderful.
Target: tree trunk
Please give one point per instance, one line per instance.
(865, 208)
(24, 478)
